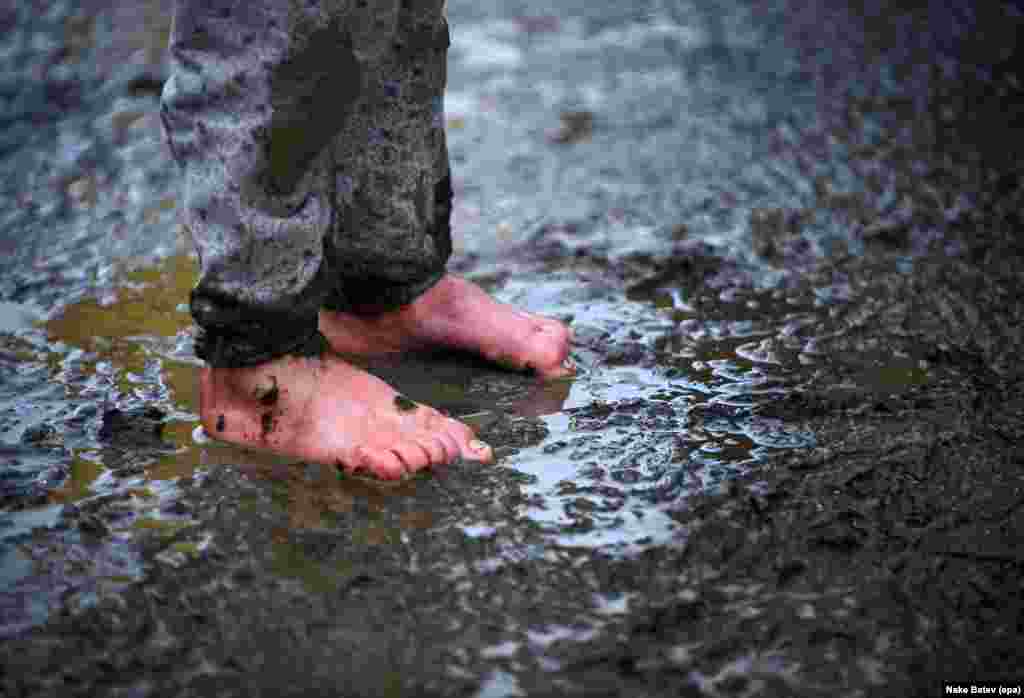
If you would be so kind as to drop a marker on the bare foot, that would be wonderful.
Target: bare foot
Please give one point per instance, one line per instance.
(457, 314)
(326, 410)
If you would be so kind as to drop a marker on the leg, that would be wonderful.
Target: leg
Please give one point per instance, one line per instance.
(257, 91)
(391, 240)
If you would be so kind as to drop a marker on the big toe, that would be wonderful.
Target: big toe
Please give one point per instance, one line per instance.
(477, 450)
(415, 455)
(460, 440)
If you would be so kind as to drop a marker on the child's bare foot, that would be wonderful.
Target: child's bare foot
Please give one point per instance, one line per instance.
(457, 314)
(326, 410)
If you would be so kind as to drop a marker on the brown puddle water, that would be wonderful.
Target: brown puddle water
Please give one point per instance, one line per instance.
(138, 340)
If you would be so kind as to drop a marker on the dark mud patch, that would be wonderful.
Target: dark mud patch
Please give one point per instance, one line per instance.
(404, 404)
(138, 428)
(268, 396)
(267, 424)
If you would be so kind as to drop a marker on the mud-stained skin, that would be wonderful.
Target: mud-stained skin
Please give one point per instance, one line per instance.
(509, 364)
(221, 423)
(404, 404)
(267, 423)
(268, 396)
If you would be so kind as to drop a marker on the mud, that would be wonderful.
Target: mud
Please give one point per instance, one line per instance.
(404, 404)
(267, 424)
(268, 397)
(787, 238)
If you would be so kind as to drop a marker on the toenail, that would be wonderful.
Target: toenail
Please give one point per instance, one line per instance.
(478, 445)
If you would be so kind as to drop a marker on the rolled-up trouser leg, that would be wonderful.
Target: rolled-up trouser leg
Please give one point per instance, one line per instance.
(268, 112)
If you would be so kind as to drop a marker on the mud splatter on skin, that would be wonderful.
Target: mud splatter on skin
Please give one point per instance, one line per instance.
(510, 364)
(404, 404)
(221, 423)
(268, 396)
(267, 423)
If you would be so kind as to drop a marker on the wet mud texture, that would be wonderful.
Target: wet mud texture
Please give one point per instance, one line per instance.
(878, 561)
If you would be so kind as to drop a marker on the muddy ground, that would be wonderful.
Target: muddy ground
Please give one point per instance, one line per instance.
(792, 465)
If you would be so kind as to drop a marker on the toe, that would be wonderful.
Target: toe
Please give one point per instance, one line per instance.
(468, 446)
(458, 438)
(460, 432)
(414, 456)
(477, 450)
(435, 449)
(381, 462)
(449, 444)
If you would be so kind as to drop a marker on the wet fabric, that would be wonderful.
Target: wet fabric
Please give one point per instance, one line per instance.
(311, 138)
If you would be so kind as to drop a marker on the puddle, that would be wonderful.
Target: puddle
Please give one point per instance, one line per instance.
(141, 328)
(603, 457)
(616, 447)
(660, 409)
(631, 442)
(13, 563)
(15, 317)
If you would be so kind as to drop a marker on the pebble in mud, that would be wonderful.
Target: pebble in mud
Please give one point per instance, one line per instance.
(42, 435)
(576, 126)
(133, 427)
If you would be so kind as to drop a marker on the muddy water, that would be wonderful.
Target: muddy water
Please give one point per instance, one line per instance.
(614, 182)
(663, 176)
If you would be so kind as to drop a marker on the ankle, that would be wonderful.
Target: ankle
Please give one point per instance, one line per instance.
(263, 383)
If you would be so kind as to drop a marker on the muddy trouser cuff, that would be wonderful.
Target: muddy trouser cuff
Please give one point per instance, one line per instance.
(374, 296)
(231, 335)
(230, 350)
